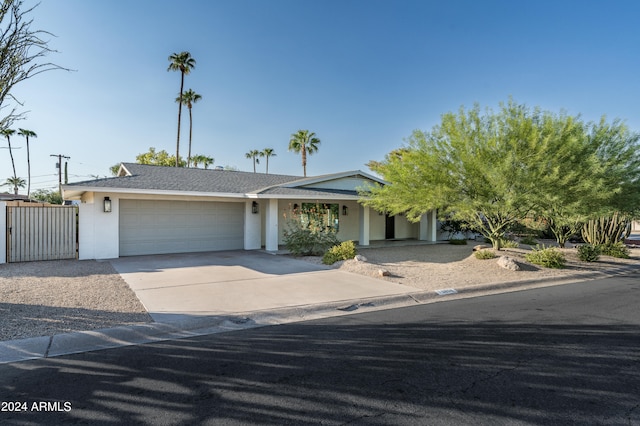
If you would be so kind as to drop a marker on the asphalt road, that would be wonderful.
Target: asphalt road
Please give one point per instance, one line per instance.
(553, 356)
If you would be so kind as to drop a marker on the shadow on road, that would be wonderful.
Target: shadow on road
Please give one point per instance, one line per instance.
(348, 371)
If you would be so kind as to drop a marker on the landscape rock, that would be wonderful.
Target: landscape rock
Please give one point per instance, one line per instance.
(480, 247)
(360, 258)
(508, 263)
(383, 273)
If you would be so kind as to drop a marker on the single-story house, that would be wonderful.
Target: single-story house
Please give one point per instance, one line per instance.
(156, 210)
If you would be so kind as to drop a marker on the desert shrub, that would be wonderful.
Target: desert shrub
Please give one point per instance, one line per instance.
(618, 249)
(549, 257)
(309, 237)
(458, 241)
(528, 240)
(484, 254)
(506, 243)
(588, 253)
(343, 251)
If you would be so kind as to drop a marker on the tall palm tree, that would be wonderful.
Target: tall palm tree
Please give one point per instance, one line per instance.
(27, 134)
(254, 154)
(7, 134)
(306, 143)
(184, 63)
(16, 182)
(268, 152)
(189, 98)
(202, 159)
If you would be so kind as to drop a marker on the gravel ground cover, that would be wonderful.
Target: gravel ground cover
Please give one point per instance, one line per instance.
(46, 298)
(441, 266)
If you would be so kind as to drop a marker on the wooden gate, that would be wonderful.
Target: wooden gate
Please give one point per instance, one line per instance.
(41, 233)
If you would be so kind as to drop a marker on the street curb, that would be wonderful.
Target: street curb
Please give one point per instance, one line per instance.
(109, 338)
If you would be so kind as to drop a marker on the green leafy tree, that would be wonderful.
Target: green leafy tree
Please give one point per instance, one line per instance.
(253, 155)
(160, 158)
(305, 143)
(47, 196)
(493, 170)
(28, 134)
(21, 52)
(268, 152)
(184, 63)
(188, 99)
(16, 182)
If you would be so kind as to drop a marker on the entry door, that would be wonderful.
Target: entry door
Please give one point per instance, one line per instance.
(390, 227)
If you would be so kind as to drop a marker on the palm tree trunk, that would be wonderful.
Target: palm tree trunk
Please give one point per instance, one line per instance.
(267, 164)
(13, 163)
(190, 131)
(179, 118)
(28, 170)
(304, 160)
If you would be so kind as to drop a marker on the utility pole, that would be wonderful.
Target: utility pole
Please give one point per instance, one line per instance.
(59, 166)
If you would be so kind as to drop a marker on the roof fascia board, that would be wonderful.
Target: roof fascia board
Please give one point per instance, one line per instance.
(330, 177)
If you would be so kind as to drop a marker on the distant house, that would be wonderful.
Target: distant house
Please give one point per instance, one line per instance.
(155, 210)
(5, 196)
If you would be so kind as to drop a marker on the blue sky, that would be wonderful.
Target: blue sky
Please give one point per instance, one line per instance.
(361, 74)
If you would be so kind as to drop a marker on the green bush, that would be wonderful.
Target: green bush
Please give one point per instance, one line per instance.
(618, 249)
(343, 251)
(458, 241)
(529, 240)
(304, 242)
(549, 257)
(484, 254)
(505, 243)
(588, 253)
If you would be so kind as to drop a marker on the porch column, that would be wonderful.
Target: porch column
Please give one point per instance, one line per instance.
(428, 226)
(3, 232)
(364, 225)
(271, 226)
(252, 226)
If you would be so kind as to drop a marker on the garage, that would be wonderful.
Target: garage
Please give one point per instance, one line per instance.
(161, 226)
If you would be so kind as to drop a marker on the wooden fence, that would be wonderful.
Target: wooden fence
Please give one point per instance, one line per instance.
(41, 232)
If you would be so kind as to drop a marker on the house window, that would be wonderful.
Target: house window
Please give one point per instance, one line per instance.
(323, 215)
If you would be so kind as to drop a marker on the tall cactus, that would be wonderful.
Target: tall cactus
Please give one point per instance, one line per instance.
(606, 230)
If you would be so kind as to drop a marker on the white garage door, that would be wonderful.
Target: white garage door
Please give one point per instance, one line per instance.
(156, 227)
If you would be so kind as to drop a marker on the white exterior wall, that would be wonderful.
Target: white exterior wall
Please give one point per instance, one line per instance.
(253, 226)
(98, 231)
(404, 228)
(377, 223)
(3, 232)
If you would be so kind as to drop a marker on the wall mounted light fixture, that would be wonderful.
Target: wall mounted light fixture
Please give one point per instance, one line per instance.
(255, 208)
(345, 211)
(107, 205)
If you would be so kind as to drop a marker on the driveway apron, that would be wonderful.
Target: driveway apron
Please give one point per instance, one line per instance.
(230, 282)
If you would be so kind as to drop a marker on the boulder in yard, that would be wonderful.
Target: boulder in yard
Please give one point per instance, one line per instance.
(383, 273)
(360, 258)
(508, 263)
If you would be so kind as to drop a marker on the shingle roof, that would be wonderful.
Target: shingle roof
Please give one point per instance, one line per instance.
(140, 177)
(187, 179)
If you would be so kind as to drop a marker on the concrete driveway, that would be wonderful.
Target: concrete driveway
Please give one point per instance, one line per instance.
(221, 283)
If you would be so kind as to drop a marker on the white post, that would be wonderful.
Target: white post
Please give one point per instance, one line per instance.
(364, 225)
(3, 232)
(271, 234)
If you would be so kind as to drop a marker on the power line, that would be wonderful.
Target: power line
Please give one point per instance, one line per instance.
(59, 166)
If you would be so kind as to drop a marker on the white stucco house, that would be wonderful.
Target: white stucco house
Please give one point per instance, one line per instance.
(157, 210)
